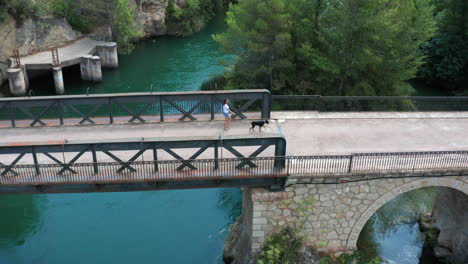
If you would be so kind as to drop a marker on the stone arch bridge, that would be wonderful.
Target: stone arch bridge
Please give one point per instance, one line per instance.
(338, 211)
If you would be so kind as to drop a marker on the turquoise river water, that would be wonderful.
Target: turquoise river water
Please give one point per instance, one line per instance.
(186, 226)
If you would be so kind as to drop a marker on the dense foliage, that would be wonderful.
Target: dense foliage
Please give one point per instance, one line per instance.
(350, 47)
(447, 62)
(82, 15)
(188, 18)
(74, 14)
(283, 247)
(19, 9)
(124, 27)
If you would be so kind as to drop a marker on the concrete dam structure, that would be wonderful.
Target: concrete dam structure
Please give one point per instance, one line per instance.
(90, 54)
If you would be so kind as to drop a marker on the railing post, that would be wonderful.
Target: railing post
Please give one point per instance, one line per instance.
(350, 163)
(212, 110)
(155, 158)
(216, 155)
(111, 117)
(280, 151)
(95, 166)
(266, 105)
(12, 114)
(36, 164)
(60, 109)
(161, 108)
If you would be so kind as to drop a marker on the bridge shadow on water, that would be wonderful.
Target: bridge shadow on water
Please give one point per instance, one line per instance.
(20, 217)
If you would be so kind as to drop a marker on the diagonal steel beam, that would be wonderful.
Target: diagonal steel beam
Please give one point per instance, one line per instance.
(173, 154)
(253, 155)
(130, 112)
(141, 112)
(29, 114)
(245, 106)
(81, 114)
(194, 156)
(138, 154)
(9, 167)
(191, 111)
(239, 155)
(59, 162)
(180, 109)
(90, 114)
(121, 162)
(233, 109)
(37, 119)
(67, 165)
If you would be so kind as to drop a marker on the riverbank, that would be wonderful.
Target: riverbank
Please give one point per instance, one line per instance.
(154, 18)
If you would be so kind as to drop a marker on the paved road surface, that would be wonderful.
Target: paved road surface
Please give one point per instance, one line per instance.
(335, 134)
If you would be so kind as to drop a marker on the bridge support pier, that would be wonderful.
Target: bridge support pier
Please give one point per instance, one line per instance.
(330, 215)
(17, 81)
(58, 80)
(91, 68)
(108, 54)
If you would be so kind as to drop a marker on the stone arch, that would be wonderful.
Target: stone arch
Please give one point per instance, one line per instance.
(406, 187)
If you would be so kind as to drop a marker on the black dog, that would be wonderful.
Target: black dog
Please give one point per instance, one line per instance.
(260, 124)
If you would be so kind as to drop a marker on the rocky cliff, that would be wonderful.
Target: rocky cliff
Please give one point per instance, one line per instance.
(450, 216)
(151, 16)
(34, 35)
(31, 36)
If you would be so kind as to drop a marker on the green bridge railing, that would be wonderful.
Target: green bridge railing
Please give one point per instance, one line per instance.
(192, 106)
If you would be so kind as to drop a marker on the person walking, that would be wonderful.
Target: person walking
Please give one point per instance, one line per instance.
(227, 114)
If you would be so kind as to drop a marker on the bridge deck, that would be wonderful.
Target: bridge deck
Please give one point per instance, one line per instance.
(306, 134)
(322, 134)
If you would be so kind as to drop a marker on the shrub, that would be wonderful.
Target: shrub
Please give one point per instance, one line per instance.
(71, 11)
(124, 27)
(283, 247)
(18, 9)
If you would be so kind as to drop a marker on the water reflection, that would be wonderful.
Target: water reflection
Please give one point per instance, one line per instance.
(20, 218)
(392, 233)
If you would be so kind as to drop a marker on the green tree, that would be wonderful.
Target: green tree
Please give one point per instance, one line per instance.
(447, 53)
(283, 247)
(258, 31)
(18, 9)
(124, 27)
(349, 47)
(375, 44)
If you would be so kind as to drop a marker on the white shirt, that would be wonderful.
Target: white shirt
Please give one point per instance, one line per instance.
(226, 108)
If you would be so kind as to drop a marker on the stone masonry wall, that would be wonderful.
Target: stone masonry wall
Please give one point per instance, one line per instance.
(338, 212)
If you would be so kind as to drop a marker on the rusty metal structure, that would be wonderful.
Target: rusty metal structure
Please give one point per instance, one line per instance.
(55, 58)
(16, 59)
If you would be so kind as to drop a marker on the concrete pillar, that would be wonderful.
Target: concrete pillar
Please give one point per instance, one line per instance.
(96, 68)
(26, 78)
(91, 68)
(58, 80)
(85, 68)
(17, 81)
(108, 54)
